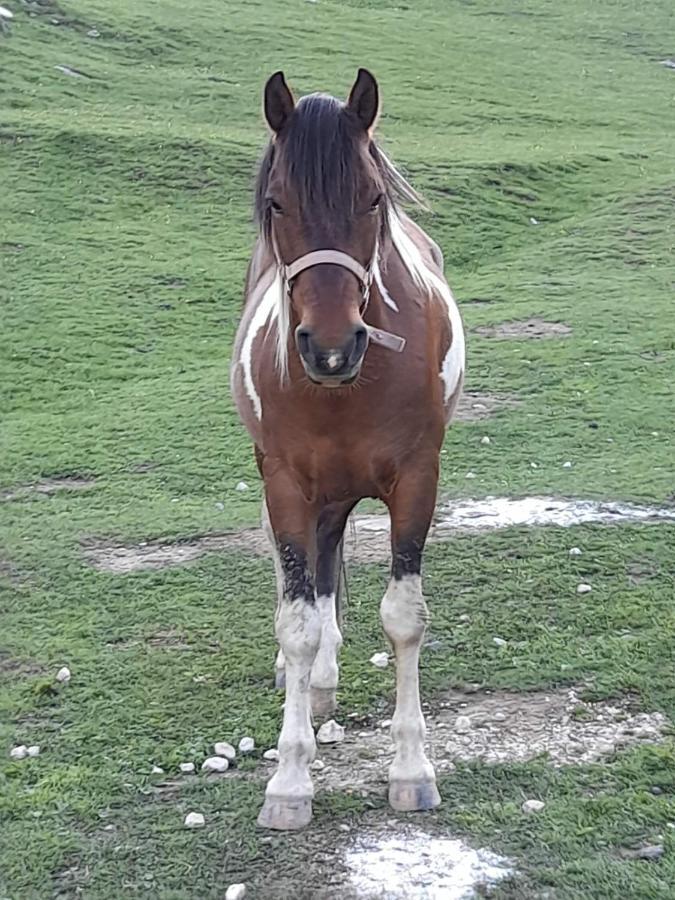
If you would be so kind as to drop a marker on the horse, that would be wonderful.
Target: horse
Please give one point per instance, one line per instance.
(348, 364)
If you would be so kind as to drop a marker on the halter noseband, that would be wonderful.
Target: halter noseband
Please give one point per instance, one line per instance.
(364, 275)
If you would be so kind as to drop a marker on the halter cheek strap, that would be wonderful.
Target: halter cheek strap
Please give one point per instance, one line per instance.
(364, 275)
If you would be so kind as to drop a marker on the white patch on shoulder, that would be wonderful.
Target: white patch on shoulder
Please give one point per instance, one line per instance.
(266, 311)
(454, 362)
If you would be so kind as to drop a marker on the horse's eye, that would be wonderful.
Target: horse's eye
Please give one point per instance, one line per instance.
(276, 208)
(377, 202)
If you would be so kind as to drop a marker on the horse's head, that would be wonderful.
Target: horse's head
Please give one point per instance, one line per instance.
(322, 187)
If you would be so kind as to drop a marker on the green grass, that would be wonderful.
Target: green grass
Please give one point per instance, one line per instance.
(124, 231)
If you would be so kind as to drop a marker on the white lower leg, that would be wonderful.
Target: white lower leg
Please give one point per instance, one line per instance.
(288, 797)
(411, 775)
(325, 671)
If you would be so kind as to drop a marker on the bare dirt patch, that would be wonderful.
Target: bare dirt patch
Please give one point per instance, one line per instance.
(367, 538)
(47, 486)
(527, 328)
(475, 406)
(504, 727)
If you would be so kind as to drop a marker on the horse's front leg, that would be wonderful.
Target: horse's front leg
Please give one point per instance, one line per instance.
(288, 797)
(325, 671)
(412, 783)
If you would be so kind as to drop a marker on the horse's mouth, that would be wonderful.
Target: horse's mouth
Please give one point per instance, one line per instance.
(334, 381)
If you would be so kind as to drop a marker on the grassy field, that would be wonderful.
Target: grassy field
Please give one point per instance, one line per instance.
(542, 135)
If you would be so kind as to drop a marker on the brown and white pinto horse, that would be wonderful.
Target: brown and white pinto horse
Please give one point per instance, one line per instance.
(348, 364)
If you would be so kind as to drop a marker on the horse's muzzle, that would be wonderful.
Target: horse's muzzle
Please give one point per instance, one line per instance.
(332, 366)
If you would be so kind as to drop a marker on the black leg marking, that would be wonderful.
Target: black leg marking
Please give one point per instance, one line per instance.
(297, 576)
(407, 559)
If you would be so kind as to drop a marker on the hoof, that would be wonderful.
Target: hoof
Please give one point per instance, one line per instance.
(280, 679)
(412, 796)
(285, 814)
(324, 702)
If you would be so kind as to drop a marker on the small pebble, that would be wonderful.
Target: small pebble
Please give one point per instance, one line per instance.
(215, 764)
(655, 789)
(500, 717)
(575, 551)
(485, 439)
(584, 588)
(567, 465)
(465, 617)
(34, 750)
(246, 745)
(63, 675)
(235, 892)
(241, 486)
(194, 820)
(187, 768)
(222, 748)
(386, 723)
(470, 475)
(462, 724)
(344, 828)
(20, 752)
(272, 754)
(651, 851)
(500, 642)
(533, 221)
(330, 733)
(532, 806)
(93, 32)
(317, 765)
(381, 660)
(157, 770)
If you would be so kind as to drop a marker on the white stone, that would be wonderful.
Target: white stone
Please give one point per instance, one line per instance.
(386, 723)
(534, 465)
(533, 221)
(532, 806)
(157, 770)
(215, 764)
(485, 439)
(317, 765)
(344, 828)
(235, 892)
(63, 675)
(271, 754)
(187, 768)
(194, 820)
(381, 660)
(34, 750)
(567, 465)
(93, 32)
(20, 752)
(470, 475)
(241, 486)
(575, 551)
(222, 748)
(462, 724)
(583, 588)
(330, 733)
(499, 642)
(5, 13)
(246, 745)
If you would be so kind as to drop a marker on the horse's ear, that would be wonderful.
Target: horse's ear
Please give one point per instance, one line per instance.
(278, 102)
(364, 99)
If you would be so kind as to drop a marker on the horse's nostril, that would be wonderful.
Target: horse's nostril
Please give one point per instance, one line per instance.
(302, 340)
(360, 341)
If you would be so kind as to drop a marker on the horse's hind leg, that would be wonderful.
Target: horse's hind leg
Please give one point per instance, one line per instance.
(412, 783)
(325, 672)
(280, 663)
(288, 796)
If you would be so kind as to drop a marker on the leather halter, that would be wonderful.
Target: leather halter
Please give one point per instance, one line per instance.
(364, 275)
